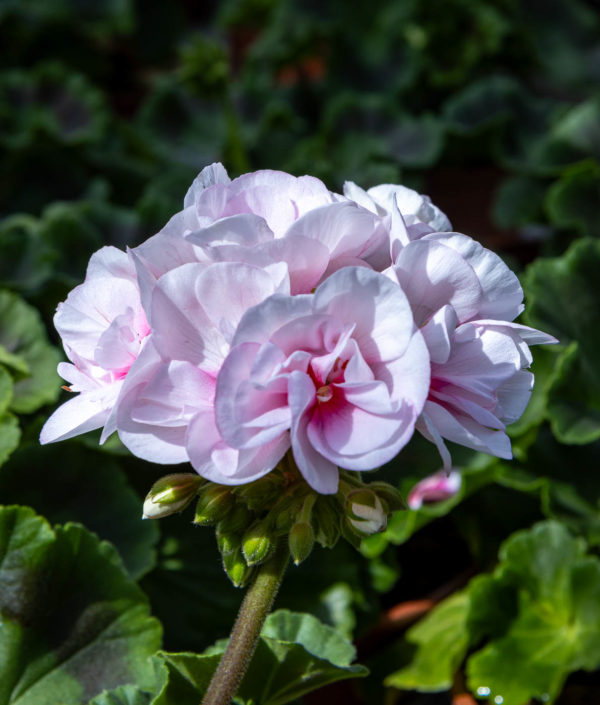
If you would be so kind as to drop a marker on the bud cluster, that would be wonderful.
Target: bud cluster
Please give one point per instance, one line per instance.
(251, 519)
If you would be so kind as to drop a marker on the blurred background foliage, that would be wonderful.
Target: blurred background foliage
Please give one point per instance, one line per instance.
(108, 110)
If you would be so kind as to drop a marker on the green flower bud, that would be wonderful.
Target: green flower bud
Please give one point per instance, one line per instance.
(261, 493)
(301, 541)
(326, 518)
(286, 513)
(257, 543)
(365, 513)
(228, 542)
(171, 494)
(237, 520)
(214, 503)
(350, 535)
(236, 568)
(388, 494)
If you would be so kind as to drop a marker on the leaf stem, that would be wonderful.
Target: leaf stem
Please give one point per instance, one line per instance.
(255, 607)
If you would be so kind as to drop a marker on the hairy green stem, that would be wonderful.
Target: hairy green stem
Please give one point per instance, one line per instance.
(255, 607)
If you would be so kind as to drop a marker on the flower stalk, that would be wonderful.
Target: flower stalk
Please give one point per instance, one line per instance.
(255, 607)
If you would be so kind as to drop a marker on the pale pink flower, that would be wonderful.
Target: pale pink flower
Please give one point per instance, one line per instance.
(463, 298)
(206, 344)
(165, 411)
(417, 210)
(103, 329)
(250, 219)
(435, 488)
(350, 234)
(340, 375)
(277, 197)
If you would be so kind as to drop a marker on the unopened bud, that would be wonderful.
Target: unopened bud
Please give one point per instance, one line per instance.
(236, 568)
(286, 514)
(388, 494)
(257, 543)
(365, 512)
(350, 535)
(237, 520)
(262, 492)
(171, 494)
(214, 503)
(228, 542)
(326, 518)
(435, 488)
(301, 540)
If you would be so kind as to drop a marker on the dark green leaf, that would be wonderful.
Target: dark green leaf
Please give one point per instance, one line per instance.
(66, 482)
(295, 655)
(24, 260)
(49, 100)
(123, 695)
(72, 231)
(17, 366)
(564, 300)
(579, 128)
(22, 333)
(574, 200)
(10, 434)
(563, 477)
(519, 202)
(482, 104)
(6, 390)
(182, 679)
(73, 623)
(416, 142)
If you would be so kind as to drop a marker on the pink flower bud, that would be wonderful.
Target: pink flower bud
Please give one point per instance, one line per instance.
(435, 488)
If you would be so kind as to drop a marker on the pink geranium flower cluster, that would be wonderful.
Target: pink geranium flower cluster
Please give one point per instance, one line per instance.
(271, 314)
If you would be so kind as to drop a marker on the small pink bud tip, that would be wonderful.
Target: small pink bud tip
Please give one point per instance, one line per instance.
(435, 488)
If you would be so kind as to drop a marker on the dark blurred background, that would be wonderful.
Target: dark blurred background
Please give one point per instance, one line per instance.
(109, 108)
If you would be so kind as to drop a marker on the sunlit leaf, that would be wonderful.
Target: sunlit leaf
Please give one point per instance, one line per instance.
(557, 626)
(442, 641)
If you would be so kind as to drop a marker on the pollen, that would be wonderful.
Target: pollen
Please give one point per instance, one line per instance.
(324, 393)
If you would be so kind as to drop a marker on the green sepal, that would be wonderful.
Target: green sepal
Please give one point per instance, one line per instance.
(238, 571)
(257, 543)
(214, 503)
(301, 540)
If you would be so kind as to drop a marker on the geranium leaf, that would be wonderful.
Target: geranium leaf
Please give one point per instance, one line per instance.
(50, 100)
(22, 334)
(84, 486)
(573, 201)
(556, 629)
(564, 300)
(295, 655)
(564, 479)
(73, 623)
(442, 640)
(6, 390)
(123, 695)
(10, 434)
(24, 260)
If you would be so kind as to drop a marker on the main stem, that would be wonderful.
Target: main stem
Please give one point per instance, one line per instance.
(244, 637)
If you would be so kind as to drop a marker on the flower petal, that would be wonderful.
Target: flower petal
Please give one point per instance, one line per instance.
(378, 308)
